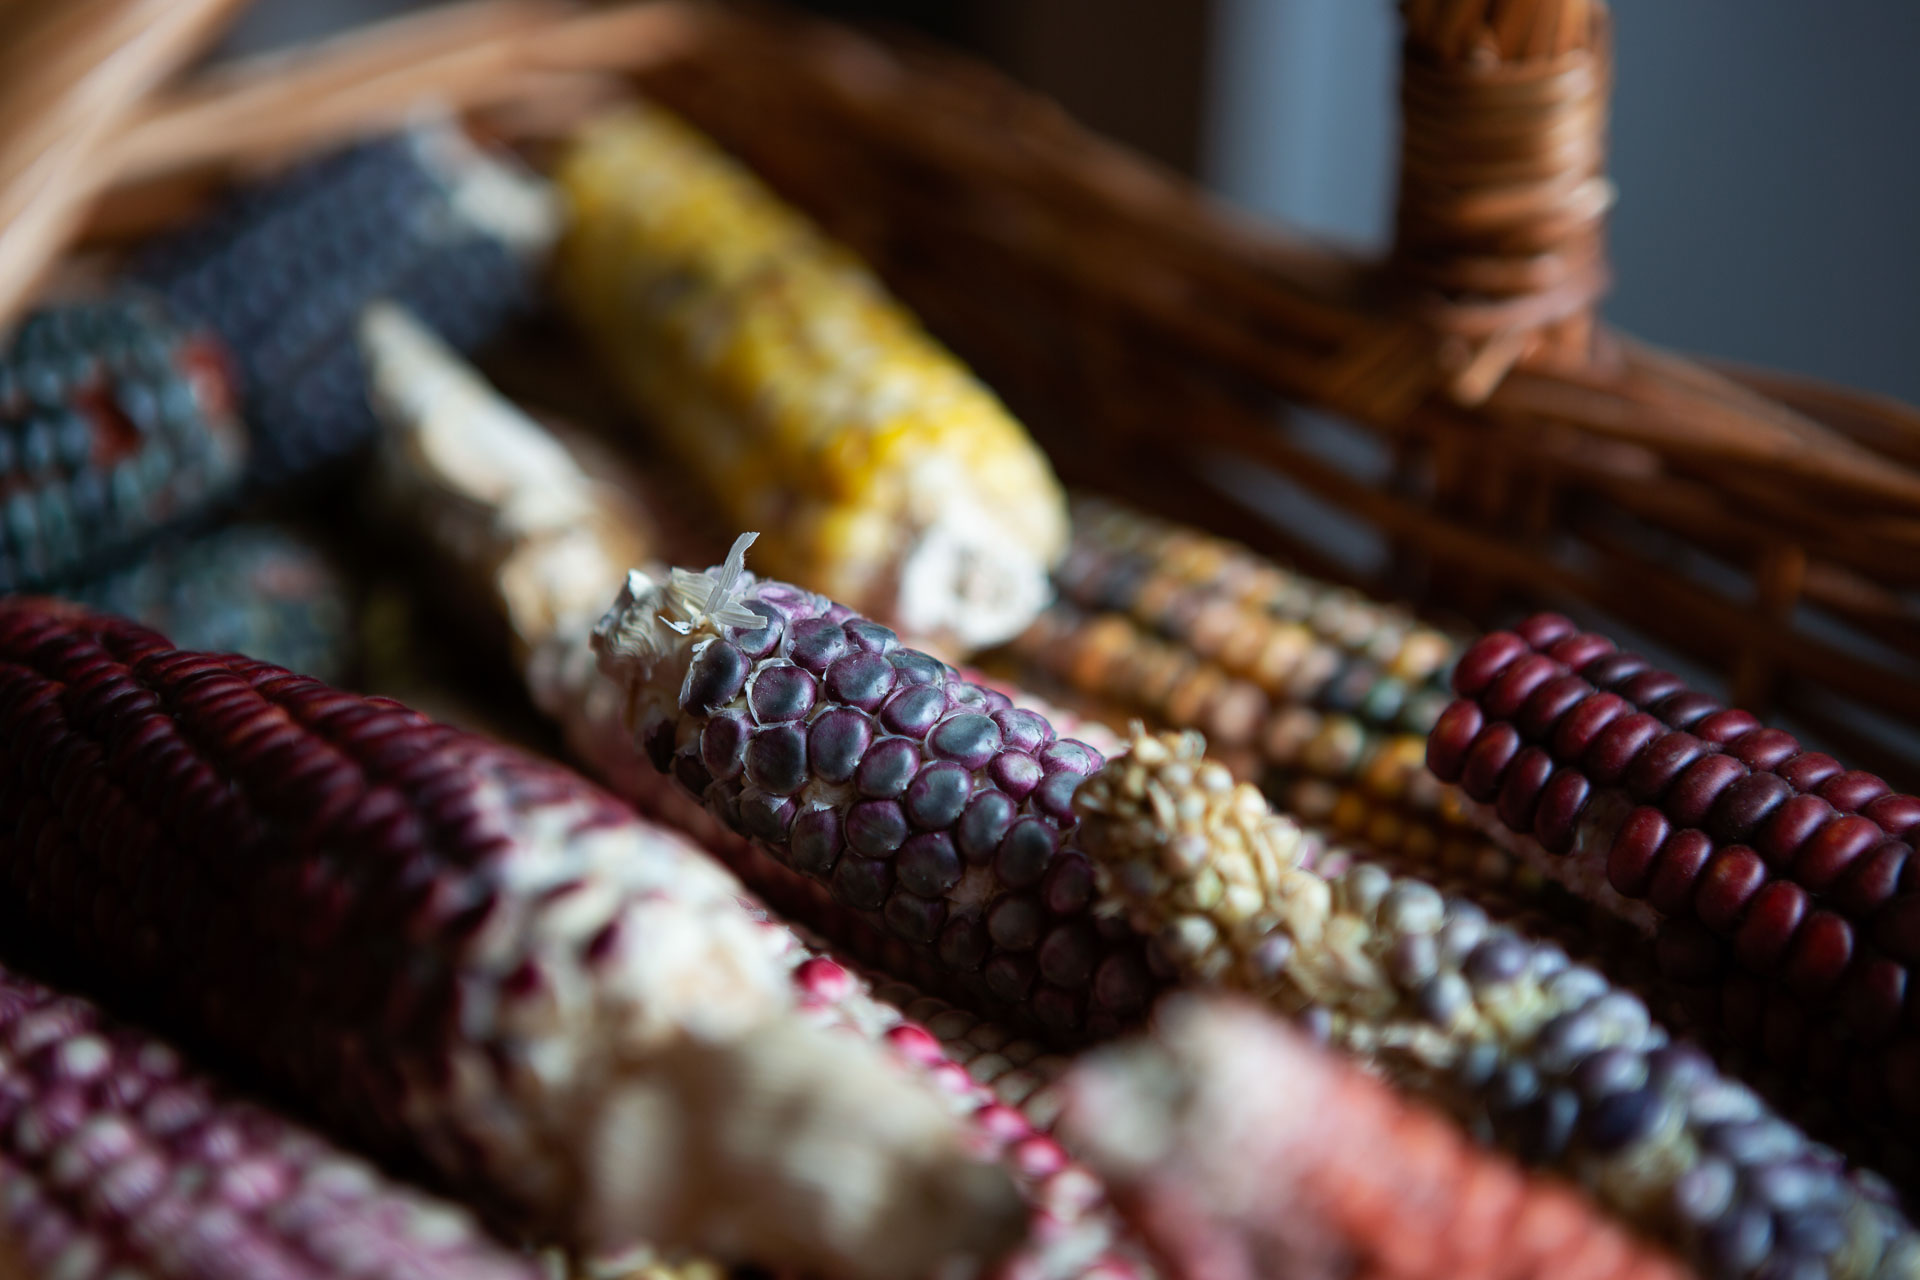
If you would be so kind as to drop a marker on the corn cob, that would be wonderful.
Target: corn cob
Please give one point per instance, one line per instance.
(1542, 1056)
(1246, 1154)
(496, 969)
(118, 1160)
(1787, 918)
(114, 422)
(924, 801)
(1301, 641)
(284, 269)
(806, 400)
(251, 589)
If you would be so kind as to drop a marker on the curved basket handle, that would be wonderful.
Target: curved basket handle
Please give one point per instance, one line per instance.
(69, 71)
(1503, 195)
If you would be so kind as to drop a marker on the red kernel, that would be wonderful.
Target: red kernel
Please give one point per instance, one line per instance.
(1451, 739)
(1507, 694)
(1725, 726)
(1485, 660)
(1575, 652)
(1764, 936)
(1547, 704)
(1487, 762)
(1727, 886)
(1701, 787)
(1826, 855)
(1819, 953)
(1764, 748)
(1795, 822)
(1809, 769)
(1581, 725)
(1562, 802)
(1873, 878)
(1854, 790)
(1660, 762)
(1614, 669)
(1896, 814)
(1544, 629)
(1617, 745)
(1675, 868)
(1636, 846)
(1520, 792)
(1745, 805)
(1649, 687)
(1685, 709)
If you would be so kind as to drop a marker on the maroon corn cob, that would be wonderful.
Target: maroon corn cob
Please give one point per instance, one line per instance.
(116, 1159)
(1244, 1152)
(459, 955)
(1776, 882)
(922, 801)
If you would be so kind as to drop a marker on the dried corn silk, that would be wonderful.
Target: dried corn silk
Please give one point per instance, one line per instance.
(1545, 1057)
(806, 401)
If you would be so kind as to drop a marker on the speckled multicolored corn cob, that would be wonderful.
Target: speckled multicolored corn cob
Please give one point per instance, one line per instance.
(1243, 1154)
(283, 271)
(1788, 917)
(1545, 1057)
(252, 589)
(459, 954)
(923, 800)
(806, 400)
(1301, 640)
(114, 422)
(116, 1159)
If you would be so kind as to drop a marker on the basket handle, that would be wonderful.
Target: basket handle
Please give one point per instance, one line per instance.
(1499, 240)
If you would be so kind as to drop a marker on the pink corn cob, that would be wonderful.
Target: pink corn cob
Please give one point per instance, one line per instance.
(460, 955)
(115, 1159)
(1242, 1152)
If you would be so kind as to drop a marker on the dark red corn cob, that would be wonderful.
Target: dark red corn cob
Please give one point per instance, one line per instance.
(1252, 1154)
(460, 955)
(926, 804)
(117, 1160)
(1776, 892)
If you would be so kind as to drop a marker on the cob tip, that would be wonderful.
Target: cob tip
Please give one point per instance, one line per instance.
(651, 619)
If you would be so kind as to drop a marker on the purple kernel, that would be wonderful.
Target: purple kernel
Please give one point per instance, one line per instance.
(818, 644)
(983, 826)
(964, 943)
(876, 828)
(1071, 755)
(1025, 852)
(780, 693)
(777, 759)
(837, 741)
(765, 816)
(1010, 977)
(1121, 984)
(938, 794)
(723, 745)
(758, 642)
(1015, 773)
(814, 846)
(913, 917)
(691, 774)
(860, 680)
(915, 667)
(1067, 955)
(862, 883)
(1023, 730)
(1069, 886)
(915, 710)
(969, 739)
(1054, 797)
(928, 864)
(888, 768)
(1498, 959)
(715, 678)
(870, 637)
(1015, 923)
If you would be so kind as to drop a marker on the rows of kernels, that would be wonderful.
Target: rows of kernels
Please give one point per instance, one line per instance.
(1783, 919)
(252, 589)
(481, 932)
(1543, 1056)
(806, 401)
(1247, 1152)
(114, 422)
(116, 1159)
(925, 802)
(282, 270)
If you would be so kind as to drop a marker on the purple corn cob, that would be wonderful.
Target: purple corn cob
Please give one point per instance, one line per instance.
(117, 1160)
(1779, 886)
(927, 804)
(459, 955)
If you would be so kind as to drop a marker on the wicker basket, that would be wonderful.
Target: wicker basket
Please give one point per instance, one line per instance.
(1502, 446)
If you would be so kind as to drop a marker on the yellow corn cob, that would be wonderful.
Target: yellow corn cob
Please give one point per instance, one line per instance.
(808, 402)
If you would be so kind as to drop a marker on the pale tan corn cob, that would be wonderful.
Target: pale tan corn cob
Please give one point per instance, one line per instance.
(1544, 1056)
(1243, 1154)
(806, 401)
(1071, 1231)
